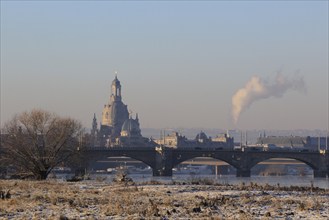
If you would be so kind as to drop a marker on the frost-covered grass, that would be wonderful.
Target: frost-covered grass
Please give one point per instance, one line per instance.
(201, 200)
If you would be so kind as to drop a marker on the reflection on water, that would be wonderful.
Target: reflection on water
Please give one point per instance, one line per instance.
(288, 180)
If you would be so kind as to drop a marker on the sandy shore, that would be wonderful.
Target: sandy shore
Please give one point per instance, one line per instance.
(101, 200)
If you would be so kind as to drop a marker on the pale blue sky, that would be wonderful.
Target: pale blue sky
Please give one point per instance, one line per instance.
(179, 63)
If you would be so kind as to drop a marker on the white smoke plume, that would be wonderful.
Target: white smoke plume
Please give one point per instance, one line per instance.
(257, 88)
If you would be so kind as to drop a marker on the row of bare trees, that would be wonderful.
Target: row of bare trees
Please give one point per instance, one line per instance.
(37, 141)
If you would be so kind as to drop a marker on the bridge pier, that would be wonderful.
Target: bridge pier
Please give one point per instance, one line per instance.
(243, 173)
(163, 162)
(320, 173)
(162, 172)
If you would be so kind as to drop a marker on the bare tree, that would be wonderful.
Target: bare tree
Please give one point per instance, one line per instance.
(37, 141)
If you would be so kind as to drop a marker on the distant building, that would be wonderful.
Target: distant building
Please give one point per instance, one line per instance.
(224, 140)
(117, 128)
(317, 142)
(172, 140)
(201, 140)
(282, 141)
(311, 143)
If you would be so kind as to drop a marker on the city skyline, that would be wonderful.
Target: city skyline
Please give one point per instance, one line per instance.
(180, 63)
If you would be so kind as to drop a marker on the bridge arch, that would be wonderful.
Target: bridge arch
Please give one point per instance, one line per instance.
(146, 156)
(203, 165)
(310, 163)
(315, 160)
(180, 158)
(118, 161)
(281, 166)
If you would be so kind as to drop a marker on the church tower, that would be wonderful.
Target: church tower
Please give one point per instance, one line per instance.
(116, 128)
(94, 126)
(114, 114)
(94, 132)
(116, 90)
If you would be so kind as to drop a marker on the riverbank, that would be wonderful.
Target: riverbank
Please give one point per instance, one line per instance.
(154, 200)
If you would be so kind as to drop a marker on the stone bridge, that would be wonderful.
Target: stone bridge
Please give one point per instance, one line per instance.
(163, 159)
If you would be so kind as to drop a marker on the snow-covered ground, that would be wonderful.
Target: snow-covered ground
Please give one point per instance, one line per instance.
(154, 200)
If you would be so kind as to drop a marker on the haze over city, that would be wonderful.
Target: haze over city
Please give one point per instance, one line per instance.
(230, 65)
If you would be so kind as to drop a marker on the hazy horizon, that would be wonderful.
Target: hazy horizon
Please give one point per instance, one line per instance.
(181, 64)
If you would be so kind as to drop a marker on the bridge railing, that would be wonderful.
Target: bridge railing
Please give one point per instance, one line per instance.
(213, 149)
(102, 148)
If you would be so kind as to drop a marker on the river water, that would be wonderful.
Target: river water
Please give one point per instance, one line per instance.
(286, 180)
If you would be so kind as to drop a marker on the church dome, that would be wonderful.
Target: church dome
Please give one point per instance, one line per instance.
(201, 137)
(119, 112)
(130, 128)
